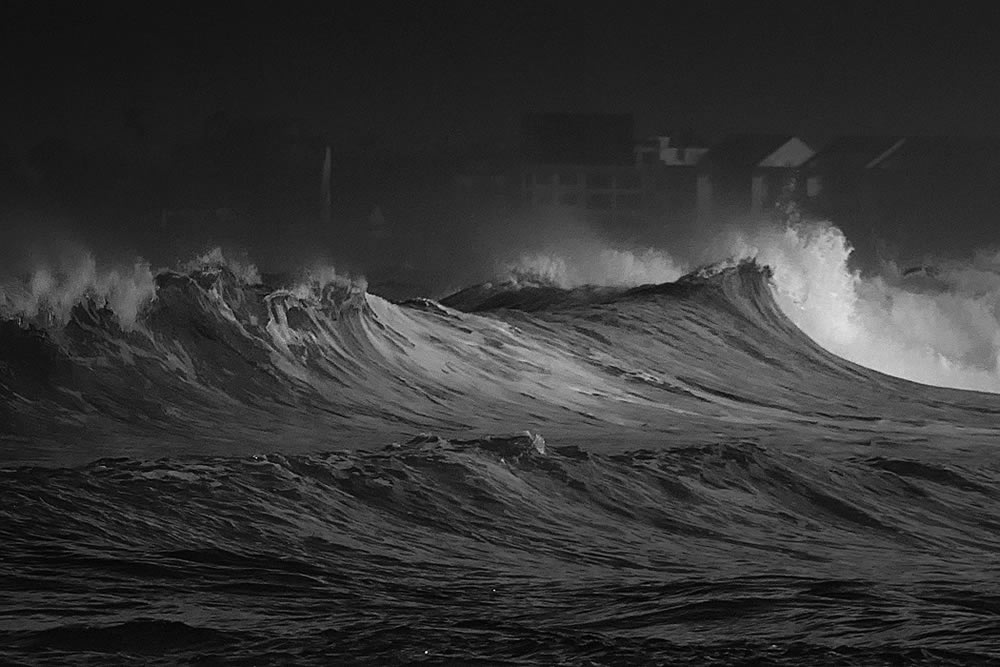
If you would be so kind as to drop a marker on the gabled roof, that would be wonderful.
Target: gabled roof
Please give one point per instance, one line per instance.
(936, 151)
(792, 153)
(744, 150)
(852, 152)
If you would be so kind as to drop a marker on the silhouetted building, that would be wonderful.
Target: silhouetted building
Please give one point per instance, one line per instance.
(584, 163)
(745, 174)
(669, 167)
(837, 184)
(885, 190)
(939, 188)
(875, 188)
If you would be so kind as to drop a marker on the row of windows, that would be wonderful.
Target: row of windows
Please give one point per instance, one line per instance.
(624, 181)
(601, 201)
(549, 177)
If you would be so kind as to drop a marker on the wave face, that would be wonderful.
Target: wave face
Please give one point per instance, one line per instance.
(196, 468)
(936, 323)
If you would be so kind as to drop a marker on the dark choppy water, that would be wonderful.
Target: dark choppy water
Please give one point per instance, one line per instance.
(239, 478)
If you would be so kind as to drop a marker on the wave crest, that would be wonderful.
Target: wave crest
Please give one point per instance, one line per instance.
(215, 260)
(47, 296)
(939, 327)
(606, 267)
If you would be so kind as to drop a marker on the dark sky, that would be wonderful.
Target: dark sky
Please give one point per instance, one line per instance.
(431, 74)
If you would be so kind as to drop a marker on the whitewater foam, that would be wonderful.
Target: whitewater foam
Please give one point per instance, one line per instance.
(581, 263)
(948, 337)
(216, 259)
(49, 293)
(943, 329)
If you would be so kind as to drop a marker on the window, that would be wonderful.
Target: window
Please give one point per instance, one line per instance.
(600, 201)
(569, 199)
(629, 180)
(568, 178)
(630, 201)
(543, 177)
(814, 185)
(599, 181)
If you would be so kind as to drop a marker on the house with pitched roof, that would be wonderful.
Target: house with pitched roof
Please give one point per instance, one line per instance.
(835, 179)
(887, 189)
(938, 188)
(745, 174)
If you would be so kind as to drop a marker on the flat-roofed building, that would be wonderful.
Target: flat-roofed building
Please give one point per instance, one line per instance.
(584, 163)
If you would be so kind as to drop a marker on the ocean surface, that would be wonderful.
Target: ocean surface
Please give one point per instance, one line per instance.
(233, 472)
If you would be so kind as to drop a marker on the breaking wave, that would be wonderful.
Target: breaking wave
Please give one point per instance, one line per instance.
(943, 330)
(314, 342)
(209, 344)
(610, 467)
(49, 293)
(605, 266)
(936, 324)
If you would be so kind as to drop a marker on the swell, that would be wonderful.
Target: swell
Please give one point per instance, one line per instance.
(507, 537)
(738, 493)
